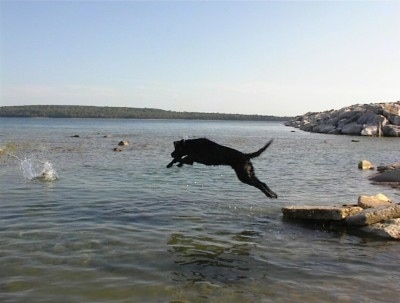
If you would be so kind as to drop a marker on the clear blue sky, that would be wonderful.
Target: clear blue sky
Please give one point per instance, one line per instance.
(273, 58)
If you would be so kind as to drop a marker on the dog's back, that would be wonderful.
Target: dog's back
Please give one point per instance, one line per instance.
(207, 152)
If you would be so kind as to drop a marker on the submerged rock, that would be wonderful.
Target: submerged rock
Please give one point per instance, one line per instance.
(123, 143)
(391, 166)
(388, 176)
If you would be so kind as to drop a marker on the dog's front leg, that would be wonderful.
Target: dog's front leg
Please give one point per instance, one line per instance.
(172, 162)
(185, 160)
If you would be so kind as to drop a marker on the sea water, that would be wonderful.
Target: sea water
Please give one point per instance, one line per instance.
(121, 227)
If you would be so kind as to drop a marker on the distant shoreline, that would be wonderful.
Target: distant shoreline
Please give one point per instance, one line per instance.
(78, 111)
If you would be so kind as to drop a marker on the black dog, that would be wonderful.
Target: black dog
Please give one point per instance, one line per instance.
(207, 152)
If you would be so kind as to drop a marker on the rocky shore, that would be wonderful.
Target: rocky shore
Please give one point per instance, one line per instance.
(375, 119)
(375, 215)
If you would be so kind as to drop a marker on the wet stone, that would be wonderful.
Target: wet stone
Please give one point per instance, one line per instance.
(374, 215)
(319, 213)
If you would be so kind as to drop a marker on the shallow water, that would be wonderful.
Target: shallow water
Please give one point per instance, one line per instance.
(121, 227)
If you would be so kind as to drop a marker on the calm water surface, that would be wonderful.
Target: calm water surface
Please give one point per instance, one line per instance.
(121, 227)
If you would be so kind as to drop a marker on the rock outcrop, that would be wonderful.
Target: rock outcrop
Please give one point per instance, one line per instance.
(375, 119)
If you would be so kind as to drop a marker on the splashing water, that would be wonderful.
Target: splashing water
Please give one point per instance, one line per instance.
(36, 169)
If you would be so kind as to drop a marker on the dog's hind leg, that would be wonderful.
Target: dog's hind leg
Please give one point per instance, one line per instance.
(246, 174)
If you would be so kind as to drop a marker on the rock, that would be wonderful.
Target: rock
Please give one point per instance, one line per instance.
(371, 118)
(395, 120)
(370, 130)
(373, 201)
(388, 176)
(352, 129)
(365, 164)
(392, 112)
(392, 166)
(391, 130)
(387, 229)
(359, 119)
(123, 143)
(319, 213)
(374, 215)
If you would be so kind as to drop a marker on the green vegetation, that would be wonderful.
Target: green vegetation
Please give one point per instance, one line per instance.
(74, 111)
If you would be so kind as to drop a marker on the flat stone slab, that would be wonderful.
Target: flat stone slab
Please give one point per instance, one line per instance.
(374, 215)
(319, 213)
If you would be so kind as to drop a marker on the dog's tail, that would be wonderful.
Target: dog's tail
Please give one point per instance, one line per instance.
(260, 151)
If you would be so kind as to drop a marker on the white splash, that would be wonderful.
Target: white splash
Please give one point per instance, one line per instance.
(35, 169)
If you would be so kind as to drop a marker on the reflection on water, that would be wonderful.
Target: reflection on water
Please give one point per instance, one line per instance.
(211, 259)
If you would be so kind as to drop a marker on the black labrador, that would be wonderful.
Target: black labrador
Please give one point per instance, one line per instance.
(207, 152)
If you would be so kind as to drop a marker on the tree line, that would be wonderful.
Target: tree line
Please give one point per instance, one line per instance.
(77, 111)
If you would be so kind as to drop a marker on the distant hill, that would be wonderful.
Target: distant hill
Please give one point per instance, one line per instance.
(75, 111)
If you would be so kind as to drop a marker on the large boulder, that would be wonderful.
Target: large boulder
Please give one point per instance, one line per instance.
(352, 128)
(391, 130)
(392, 112)
(370, 118)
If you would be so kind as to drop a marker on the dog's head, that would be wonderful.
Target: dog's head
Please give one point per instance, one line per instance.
(179, 151)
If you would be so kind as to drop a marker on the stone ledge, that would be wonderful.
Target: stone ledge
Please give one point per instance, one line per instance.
(383, 221)
(319, 213)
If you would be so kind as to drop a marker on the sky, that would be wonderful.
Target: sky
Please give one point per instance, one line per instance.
(280, 58)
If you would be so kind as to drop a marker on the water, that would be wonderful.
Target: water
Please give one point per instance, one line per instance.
(121, 227)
